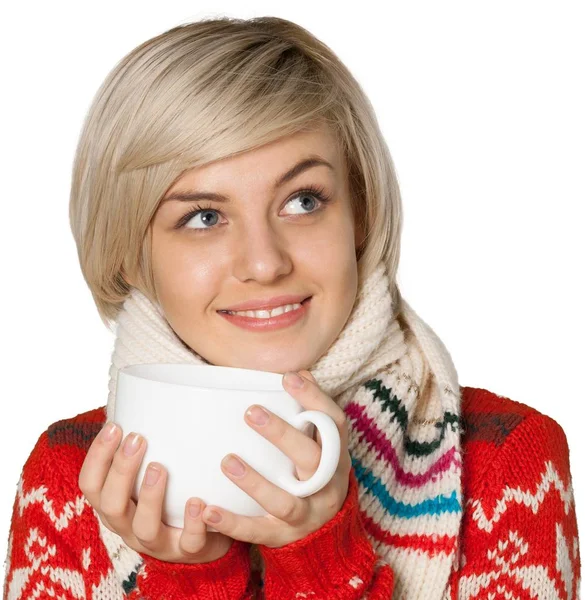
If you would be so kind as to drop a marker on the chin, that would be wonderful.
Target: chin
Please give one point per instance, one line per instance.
(271, 364)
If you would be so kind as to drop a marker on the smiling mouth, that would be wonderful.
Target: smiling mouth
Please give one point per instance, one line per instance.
(259, 309)
(270, 323)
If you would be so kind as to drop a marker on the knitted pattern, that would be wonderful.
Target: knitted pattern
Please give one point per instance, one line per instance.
(518, 537)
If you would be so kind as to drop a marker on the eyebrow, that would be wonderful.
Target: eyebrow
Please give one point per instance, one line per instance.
(292, 173)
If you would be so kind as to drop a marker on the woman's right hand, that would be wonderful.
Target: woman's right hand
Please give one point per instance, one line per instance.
(107, 478)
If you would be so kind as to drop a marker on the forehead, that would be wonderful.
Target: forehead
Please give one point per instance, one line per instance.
(266, 164)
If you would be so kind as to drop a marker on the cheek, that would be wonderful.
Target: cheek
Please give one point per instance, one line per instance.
(331, 248)
(180, 272)
(329, 260)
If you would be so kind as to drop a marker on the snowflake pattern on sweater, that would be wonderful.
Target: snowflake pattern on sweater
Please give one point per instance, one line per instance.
(518, 538)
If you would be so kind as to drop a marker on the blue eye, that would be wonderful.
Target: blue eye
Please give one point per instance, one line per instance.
(316, 192)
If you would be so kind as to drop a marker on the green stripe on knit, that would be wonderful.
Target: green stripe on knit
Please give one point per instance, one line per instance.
(389, 402)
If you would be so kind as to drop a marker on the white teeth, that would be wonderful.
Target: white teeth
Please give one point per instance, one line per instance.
(265, 314)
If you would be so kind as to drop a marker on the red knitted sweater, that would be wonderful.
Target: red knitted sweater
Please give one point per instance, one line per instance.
(518, 539)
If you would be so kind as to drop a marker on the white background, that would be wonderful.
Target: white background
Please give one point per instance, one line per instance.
(481, 104)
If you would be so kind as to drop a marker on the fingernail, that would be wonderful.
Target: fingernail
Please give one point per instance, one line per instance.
(194, 509)
(132, 444)
(234, 466)
(257, 415)
(294, 380)
(108, 432)
(152, 475)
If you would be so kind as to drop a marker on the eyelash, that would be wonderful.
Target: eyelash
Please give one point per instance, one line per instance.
(313, 190)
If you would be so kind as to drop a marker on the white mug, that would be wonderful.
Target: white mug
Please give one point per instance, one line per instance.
(191, 416)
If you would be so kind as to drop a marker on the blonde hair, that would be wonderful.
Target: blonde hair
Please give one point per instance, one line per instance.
(200, 92)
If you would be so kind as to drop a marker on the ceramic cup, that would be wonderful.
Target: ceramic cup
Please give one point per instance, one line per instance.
(191, 416)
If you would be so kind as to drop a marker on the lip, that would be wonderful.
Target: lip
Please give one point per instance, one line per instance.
(267, 303)
(264, 325)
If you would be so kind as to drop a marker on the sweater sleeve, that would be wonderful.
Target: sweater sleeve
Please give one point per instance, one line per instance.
(223, 579)
(521, 537)
(55, 549)
(336, 562)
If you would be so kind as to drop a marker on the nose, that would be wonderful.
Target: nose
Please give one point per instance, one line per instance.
(261, 254)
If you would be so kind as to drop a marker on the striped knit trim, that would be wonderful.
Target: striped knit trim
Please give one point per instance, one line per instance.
(405, 446)
(434, 505)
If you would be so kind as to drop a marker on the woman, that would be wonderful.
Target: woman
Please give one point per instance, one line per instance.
(237, 161)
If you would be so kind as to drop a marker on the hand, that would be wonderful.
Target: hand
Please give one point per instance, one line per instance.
(290, 518)
(107, 478)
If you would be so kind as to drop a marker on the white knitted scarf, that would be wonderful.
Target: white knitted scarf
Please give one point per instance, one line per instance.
(395, 380)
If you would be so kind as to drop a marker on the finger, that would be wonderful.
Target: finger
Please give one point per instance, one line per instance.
(304, 451)
(272, 498)
(254, 530)
(97, 463)
(194, 535)
(307, 375)
(153, 534)
(146, 523)
(312, 397)
(115, 500)
(314, 431)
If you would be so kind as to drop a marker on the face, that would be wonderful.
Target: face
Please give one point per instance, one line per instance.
(265, 239)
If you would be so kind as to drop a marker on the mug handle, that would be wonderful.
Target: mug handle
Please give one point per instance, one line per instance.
(330, 453)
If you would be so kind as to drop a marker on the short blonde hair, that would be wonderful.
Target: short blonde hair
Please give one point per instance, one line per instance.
(204, 91)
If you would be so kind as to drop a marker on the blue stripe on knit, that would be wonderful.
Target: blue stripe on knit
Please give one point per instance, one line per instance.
(431, 506)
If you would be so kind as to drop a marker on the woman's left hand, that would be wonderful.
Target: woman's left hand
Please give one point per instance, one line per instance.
(289, 518)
